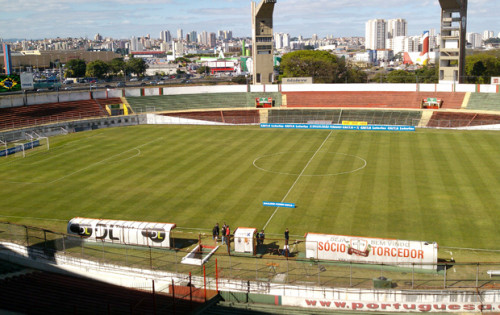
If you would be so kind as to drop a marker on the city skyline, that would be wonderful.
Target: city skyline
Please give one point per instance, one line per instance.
(125, 18)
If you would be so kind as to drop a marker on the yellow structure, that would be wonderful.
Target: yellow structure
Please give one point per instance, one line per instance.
(262, 42)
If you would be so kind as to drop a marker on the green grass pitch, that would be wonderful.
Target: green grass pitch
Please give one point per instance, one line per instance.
(431, 185)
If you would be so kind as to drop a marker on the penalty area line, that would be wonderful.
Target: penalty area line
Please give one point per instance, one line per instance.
(298, 177)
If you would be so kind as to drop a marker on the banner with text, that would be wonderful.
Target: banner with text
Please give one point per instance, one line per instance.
(372, 250)
(339, 127)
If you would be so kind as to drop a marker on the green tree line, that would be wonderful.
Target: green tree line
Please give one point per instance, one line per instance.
(325, 67)
(99, 69)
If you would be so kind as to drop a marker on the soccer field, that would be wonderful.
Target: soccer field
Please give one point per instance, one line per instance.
(432, 185)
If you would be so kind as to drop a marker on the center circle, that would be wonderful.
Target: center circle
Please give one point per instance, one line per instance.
(292, 163)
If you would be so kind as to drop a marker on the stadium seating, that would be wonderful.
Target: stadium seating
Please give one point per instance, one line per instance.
(336, 116)
(370, 99)
(484, 101)
(222, 116)
(456, 119)
(23, 116)
(197, 101)
(50, 293)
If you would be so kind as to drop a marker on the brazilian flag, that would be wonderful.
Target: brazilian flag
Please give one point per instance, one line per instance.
(10, 83)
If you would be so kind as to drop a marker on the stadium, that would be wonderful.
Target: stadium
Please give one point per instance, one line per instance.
(383, 163)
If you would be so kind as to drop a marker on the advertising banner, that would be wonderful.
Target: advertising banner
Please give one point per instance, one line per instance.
(151, 234)
(339, 127)
(389, 306)
(27, 81)
(372, 250)
(19, 148)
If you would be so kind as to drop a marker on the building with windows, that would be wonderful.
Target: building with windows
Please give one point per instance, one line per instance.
(376, 34)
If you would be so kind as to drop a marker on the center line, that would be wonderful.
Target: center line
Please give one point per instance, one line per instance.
(303, 170)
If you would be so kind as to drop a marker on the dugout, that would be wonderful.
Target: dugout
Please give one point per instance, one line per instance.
(431, 102)
(152, 234)
(264, 102)
(244, 240)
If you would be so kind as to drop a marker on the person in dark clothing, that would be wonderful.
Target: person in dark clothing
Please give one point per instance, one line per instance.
(215, 232)
(228, 239)
(287, 236)
(223, 234)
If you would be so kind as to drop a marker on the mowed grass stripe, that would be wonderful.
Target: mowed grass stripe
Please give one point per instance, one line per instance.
(447, 182)
(475, 194)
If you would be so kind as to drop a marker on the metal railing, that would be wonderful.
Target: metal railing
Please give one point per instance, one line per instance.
(267, 266)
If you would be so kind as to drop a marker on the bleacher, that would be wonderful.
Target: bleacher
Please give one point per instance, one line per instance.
(23, 116)
(370, 99)
(51, 293)
(197, 101)
(221, 116)
(7, 268)
(336, 116)
(484, 101)
(455, 119)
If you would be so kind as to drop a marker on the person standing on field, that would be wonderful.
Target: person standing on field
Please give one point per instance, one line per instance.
(215, 232)
(224, 234)
(228, 239)
(287, 236)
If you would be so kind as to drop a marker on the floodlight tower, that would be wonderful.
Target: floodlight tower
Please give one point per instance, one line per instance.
(453, 31)
(262, 41)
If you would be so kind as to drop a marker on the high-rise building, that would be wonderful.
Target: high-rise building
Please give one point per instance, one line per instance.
(475, 39)
(134, 44)
(375, 33)
(278, 40)
(165, 36)
(193, 37)
(212, 40)
(286, 40)
(488, 34)
(180, 34)
(397, 27)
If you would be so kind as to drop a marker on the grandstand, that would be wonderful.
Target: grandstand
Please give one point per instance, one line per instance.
(197, 101)
(51, 293)
(221, 116)
(461, 119)
(484, 101)
(22, 116)
(336, 116)
(370, 99)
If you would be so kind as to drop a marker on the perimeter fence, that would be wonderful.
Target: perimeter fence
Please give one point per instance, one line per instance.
(269, 265)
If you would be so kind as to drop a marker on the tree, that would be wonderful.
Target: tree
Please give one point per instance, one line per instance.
(321, 65)
(97, 68)
(75, 68)
(479, 68)
(137, 66)
(116, 65)
(203, 69)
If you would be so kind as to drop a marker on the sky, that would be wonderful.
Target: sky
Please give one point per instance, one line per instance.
(37, 19)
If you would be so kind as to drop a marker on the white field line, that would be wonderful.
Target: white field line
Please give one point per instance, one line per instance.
(300, 175)
(31, 218)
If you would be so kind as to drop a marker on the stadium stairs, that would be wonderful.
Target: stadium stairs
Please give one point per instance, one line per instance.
(24, 116)
(370, 99)
(197, 101)
(484, 101)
